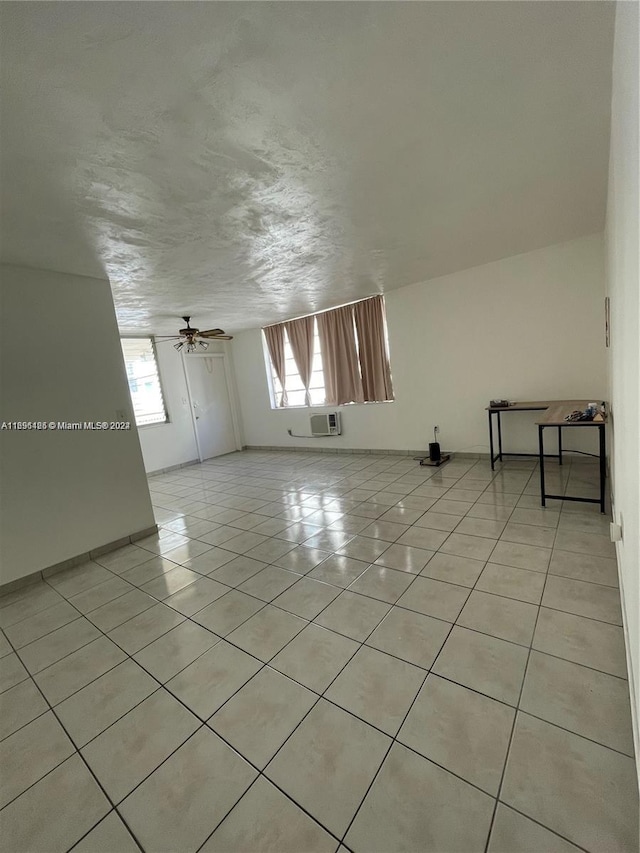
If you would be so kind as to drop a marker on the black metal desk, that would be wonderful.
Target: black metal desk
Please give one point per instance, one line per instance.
(555, 417)
(555, 412)
(528, 406)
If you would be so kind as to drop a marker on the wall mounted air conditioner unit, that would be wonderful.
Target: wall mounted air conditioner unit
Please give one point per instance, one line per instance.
(325, 424)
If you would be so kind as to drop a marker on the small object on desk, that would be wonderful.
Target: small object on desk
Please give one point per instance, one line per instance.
(499, 404)
(587, 415)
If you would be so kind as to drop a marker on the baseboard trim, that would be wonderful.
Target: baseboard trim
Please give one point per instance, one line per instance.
(42, 574)
(20, 583)
(366, 451)
(173, 468)
(356, 451)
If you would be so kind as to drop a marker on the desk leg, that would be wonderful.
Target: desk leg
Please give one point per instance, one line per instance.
(560, 445)
(603, 464)
(491, 438)
(541, 454)
(499, 436)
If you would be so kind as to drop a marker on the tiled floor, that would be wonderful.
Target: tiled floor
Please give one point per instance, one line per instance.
(327, 652)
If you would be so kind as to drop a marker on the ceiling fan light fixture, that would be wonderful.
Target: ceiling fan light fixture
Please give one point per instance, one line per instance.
(192, 339)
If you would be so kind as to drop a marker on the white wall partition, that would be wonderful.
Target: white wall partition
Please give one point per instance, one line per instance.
(623, 226)
(526, 327)
(64, 492)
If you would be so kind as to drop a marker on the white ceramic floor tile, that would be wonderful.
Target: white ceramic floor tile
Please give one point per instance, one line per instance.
(145, 628)
(68, 803)
(169, 816)
(20, 705)
(543, 759)
(461, 730)
(45, 622)
(92, 709)
(261, 715)
(58, 644)
(74, 671)
(109, 836)
(125, 753)
(315, 657)
(265, 819)
(31, 752)
(12, 671)
(377, 688)
(329, 739)
(247, 552)
(175, 650)
(416, 805)
(214, 677)
(514, 833)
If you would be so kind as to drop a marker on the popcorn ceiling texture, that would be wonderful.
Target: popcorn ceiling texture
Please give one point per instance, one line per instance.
(249, 162)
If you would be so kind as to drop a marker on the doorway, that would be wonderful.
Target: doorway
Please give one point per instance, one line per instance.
(211, 406)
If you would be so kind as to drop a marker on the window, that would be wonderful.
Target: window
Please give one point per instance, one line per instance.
(352, 337)
(144, 381)
(295, 388)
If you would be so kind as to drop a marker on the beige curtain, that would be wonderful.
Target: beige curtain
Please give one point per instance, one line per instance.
(300, 334)
(274, 336)
(339, 356)
(374, 359)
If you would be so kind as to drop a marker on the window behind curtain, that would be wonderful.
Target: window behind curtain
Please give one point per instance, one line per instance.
(295, 388)
(144, 381)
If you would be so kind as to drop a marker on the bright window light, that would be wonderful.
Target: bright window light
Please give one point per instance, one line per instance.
(295, 388)
(144, 381)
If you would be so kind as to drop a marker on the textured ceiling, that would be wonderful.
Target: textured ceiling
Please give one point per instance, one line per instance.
(247, 162)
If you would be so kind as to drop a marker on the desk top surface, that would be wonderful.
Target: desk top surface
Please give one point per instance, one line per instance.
(555, 411)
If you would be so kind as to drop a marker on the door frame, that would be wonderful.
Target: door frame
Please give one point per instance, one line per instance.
(230, 394)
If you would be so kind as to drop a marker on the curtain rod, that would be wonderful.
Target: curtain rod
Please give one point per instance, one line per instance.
(323, 311)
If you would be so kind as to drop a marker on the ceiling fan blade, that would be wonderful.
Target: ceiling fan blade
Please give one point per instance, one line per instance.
(211, 333)
(162, 339)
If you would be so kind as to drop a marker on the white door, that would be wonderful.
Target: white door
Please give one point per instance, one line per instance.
(211, 405)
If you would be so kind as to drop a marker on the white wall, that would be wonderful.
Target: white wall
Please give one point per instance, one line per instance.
(623, 225)
(174, 443)
(526, 327)
(63, 493)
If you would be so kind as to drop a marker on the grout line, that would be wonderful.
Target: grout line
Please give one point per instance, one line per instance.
(548, 829)
(515, 718)
(571, 732)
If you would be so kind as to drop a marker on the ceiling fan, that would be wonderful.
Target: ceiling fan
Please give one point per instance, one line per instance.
(191, 338)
